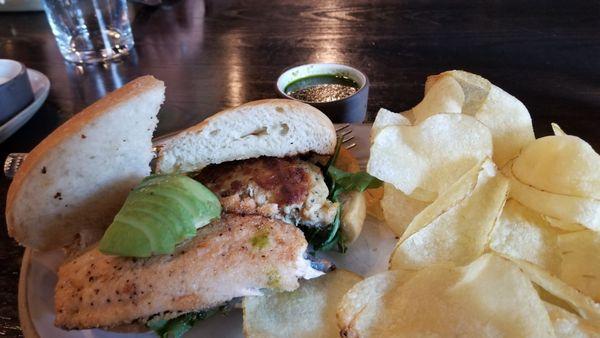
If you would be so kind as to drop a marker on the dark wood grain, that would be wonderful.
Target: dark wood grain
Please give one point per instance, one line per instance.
(219, 54)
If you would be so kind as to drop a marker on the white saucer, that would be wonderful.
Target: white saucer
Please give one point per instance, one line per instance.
(41, 86)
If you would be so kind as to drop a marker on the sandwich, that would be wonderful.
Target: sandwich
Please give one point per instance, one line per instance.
(233, 206)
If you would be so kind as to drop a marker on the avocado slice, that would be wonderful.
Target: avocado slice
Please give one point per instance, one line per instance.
(161, 212)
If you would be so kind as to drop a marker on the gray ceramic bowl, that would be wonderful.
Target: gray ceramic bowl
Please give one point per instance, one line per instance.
(351, 109)
(15, 89)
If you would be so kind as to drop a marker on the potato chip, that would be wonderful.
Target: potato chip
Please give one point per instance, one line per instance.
(475, 88)
(568, 209)
(557, 129)
(570, 325)
(582, 304)
(459, 233)
(309, 311)
(488, 298)
(422, 195)
(431, 155)
(354, 208)
(454, 195)
(562, 225)
(506, 117)
(373, 198)
(354, 211)
(386, 118)
(523, 234)
(399, 209)
(346, 161)
(370, 291)
(580, 267)
(564, 165)
(444, 96)
(509, 122)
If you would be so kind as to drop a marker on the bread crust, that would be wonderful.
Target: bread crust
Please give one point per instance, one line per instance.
(71, 127)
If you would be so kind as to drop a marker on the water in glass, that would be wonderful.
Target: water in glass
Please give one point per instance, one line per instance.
(90, 30)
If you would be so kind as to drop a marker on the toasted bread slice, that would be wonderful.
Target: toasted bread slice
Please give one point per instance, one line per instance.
(273, 127)
(77, 178)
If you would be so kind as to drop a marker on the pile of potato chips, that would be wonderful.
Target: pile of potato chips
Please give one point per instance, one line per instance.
(499, 232)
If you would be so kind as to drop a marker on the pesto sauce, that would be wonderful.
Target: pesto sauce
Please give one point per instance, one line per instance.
(274, 279)
(261, 240)
(322, 88)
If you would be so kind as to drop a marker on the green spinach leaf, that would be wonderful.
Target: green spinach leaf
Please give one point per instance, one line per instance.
(178, 326)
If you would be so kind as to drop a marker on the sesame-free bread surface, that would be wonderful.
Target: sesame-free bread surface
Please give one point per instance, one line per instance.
(272, 127)
(73, 183)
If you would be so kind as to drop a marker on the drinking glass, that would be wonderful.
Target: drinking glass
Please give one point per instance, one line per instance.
(89, 31)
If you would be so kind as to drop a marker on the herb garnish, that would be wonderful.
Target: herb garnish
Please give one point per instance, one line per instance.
(338, 181)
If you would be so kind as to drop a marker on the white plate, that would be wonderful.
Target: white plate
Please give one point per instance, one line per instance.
(40, 86)
(367, 256)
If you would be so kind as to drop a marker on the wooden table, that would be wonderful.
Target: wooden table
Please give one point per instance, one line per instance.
(217, 54)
